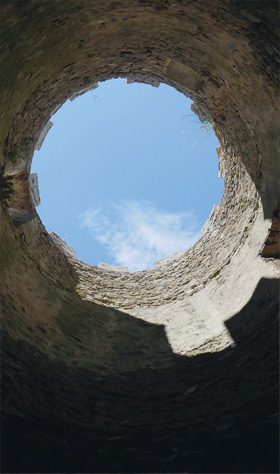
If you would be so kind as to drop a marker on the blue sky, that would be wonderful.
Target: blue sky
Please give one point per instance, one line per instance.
(127, 175)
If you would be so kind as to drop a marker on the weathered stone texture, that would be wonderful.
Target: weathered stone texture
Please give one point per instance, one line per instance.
(173, 369)
(169, 258)
(42, 135)
(66, 248)
(34, 189)
(113, 268)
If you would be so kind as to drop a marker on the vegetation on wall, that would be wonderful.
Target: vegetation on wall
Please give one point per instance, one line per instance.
(6, 188)
(207, 125)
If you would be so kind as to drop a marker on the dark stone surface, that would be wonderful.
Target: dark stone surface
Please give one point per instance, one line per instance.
(61, 410)
(210, 413)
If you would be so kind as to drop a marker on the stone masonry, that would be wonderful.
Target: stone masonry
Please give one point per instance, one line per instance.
(175, 369)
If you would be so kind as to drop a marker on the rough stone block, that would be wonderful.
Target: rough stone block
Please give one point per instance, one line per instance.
(222, 161)
(34, 189)
(43, 135)
(62, 244)
(210, 221)
(113, 268)
(184, 75)
(21, 216)
(83, 91)
(170, 258)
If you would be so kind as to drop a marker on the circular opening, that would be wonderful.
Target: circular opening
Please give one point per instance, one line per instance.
(128, 174)
(71, 382)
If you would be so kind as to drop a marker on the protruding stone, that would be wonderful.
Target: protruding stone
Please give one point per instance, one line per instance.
(84, 90)
(62, 244)
(34, 189)
(138, 80)
(43, 135)
(210, 221)
(169, 258)
(222, 161)
(21, 205)
(21, 216)
(112, 268)
(184, 75)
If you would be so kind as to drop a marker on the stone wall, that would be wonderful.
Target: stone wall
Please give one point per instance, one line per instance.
(173, 369)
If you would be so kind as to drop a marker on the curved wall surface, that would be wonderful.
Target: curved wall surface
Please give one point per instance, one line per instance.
(173, 369)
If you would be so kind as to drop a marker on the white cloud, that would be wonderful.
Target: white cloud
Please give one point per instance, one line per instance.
(137, 234)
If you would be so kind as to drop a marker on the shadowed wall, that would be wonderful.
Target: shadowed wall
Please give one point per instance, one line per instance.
(103, 372)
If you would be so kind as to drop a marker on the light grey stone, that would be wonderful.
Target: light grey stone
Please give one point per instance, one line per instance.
(34, 189)
(210, 221)
(21, 216)
(62, 244)
(181, 74)
(43, 135)
(169, 258)
(222, 162)
(84, 90)
(113, 268)
(149, 82)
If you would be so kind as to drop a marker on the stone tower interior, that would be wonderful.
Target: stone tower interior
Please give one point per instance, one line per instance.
(91, 381)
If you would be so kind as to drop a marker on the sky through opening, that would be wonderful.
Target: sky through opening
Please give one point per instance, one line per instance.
(127, 175)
